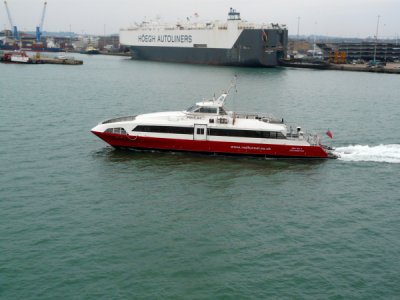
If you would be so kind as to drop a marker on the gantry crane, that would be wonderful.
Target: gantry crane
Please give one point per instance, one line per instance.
(13, 27)
(40, 27)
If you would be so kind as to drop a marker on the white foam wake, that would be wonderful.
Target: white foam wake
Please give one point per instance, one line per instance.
(380, 153)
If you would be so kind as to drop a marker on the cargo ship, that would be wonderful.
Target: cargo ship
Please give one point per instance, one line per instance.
(232, 43)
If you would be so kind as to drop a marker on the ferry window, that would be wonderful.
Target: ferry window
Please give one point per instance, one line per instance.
(222, 111)
(272, 135)
(192, 108)
(117, 130)
(164, 129)
(247, 133)
(208, 110)
(200, 131)
(266, 134)
(280, 135)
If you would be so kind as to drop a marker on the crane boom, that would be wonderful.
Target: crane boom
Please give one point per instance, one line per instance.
(40, 27)
(43, 15)
(9, 15)
(13, 27)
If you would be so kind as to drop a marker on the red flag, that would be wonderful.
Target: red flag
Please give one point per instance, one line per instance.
(329, 133)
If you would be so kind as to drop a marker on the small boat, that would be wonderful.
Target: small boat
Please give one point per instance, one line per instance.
(19, 57)
(207, 127)
(90, 49)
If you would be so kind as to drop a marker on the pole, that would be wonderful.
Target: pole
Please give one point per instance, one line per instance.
(298, 28)
(104, 37)
(315, 35)
(376, 38)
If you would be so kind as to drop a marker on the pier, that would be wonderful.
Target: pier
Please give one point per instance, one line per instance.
(390, 68)
(21, 57)
(57, 61)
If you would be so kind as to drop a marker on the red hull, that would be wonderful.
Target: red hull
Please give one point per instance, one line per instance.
(229, 148)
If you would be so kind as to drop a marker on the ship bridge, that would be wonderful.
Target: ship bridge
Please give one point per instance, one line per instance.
(233, 14)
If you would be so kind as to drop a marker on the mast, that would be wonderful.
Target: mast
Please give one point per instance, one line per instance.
(376, 38)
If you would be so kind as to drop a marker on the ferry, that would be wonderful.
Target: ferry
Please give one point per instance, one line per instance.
(232, 43)
(207, 127)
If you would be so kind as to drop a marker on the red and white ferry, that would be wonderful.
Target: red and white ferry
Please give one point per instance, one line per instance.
(208, 128)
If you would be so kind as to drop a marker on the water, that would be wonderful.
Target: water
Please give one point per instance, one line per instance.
(79, 220)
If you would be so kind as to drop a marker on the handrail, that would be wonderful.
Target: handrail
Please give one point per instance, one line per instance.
(120, 119)
(265, 118)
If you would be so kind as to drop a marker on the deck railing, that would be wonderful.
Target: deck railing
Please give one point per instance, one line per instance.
(120, 119)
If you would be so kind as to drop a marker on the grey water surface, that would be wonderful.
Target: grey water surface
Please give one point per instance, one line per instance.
(80, 220)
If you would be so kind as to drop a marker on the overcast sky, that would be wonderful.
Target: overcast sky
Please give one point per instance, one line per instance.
(346, 18)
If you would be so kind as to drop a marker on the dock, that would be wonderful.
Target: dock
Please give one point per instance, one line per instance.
(22, 57)
(389, 68)
(56, 61)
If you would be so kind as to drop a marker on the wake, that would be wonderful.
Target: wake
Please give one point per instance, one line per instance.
(381, 153)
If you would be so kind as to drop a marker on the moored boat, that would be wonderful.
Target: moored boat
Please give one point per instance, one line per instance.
(208, 128)
(15, 57)
(19, 57)
(90, 49)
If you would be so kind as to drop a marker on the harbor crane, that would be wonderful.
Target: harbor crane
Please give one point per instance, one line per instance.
(40, 27)
(13, 27)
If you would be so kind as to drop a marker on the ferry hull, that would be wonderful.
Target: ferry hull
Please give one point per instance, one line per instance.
(211, 147)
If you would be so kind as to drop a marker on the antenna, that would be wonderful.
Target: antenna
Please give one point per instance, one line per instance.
(233, 84)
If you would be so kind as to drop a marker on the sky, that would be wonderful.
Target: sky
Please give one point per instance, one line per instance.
(343, 18)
